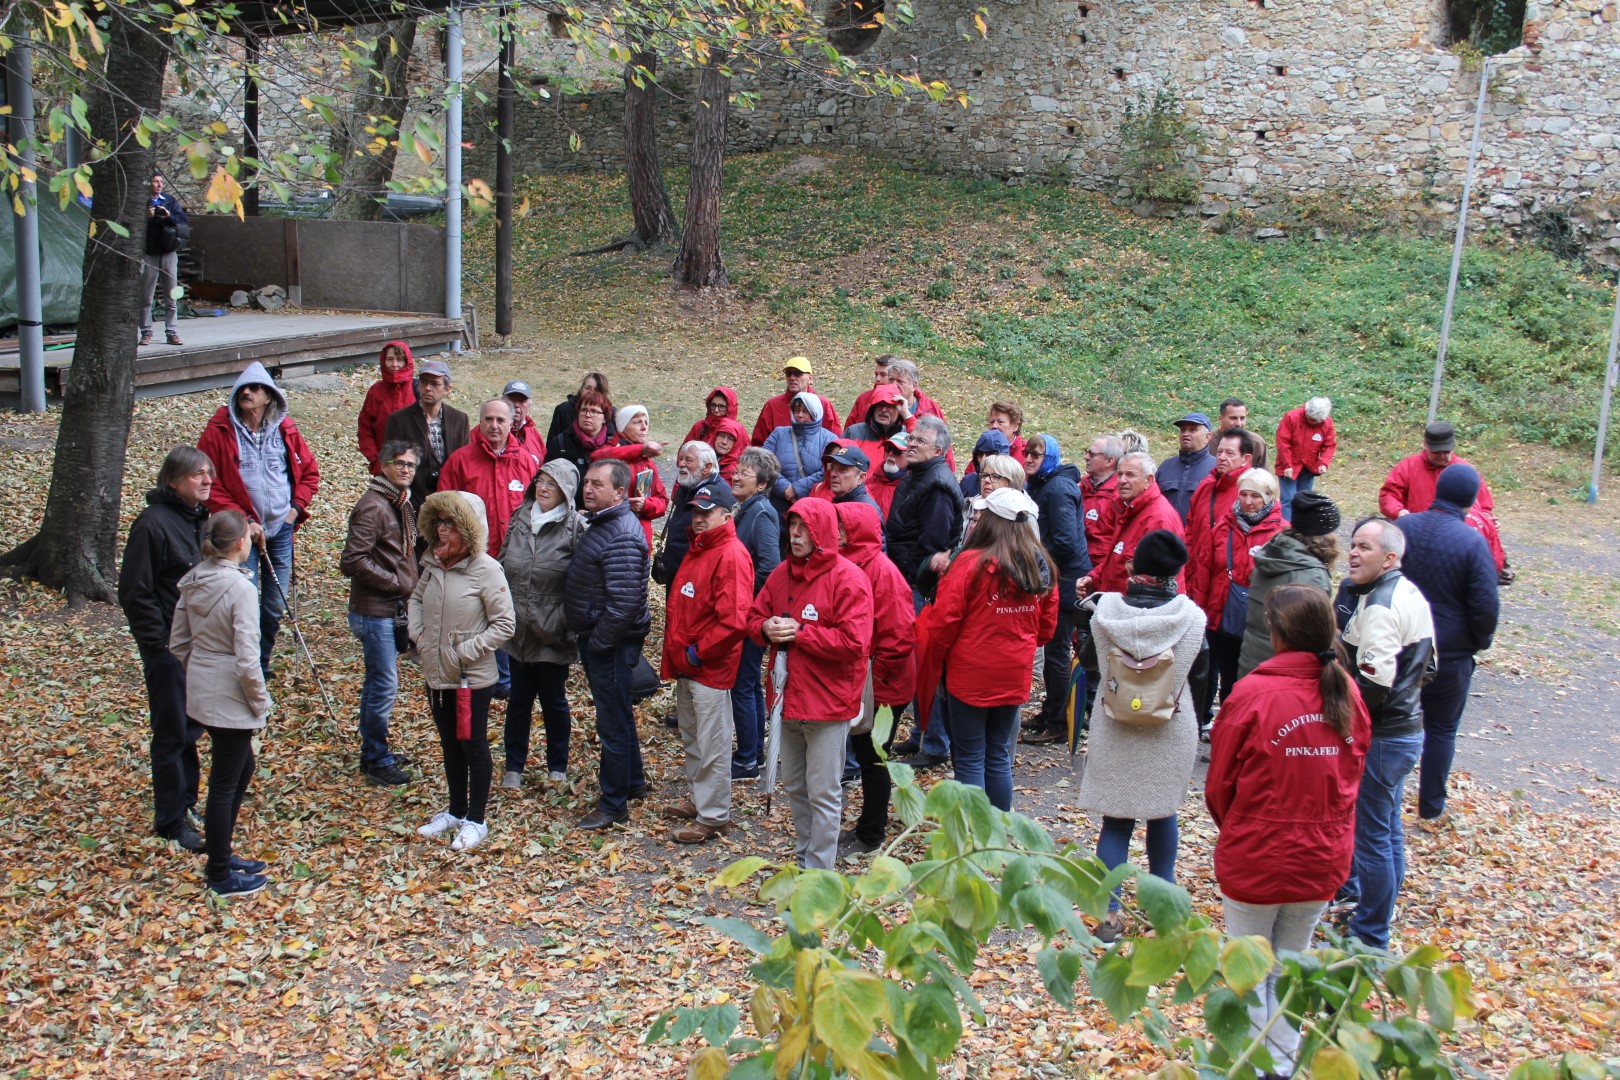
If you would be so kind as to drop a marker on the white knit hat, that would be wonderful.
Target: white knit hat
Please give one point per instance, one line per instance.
(622, 418)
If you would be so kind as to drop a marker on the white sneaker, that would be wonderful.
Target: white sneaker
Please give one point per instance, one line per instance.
(512, 780)
(556, 776)
(471, 835)
(442, 823)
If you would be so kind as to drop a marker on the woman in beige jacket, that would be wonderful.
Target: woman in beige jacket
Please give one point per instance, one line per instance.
(215, 637)
(461, 610)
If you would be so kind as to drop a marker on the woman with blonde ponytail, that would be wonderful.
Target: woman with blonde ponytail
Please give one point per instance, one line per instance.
(216, 639)
(1286, 757)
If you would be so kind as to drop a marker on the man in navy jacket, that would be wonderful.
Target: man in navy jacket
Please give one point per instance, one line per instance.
(1451, 563)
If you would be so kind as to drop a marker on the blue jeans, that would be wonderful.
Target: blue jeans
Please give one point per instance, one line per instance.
(503, 668)
(748, 712)
(1380, 860)
(621, 772)
(376, 634)
(272, 601)
(1114, 847)
(983, 747)
(1443, 702)
(1286, 488)
(936, 741)
(548, 684)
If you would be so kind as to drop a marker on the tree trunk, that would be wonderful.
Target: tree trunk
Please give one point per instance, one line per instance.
(76, 546)
(699, 261)
(386, 95)
(649, 202)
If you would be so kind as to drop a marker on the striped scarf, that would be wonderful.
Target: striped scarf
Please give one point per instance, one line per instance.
(399, 499)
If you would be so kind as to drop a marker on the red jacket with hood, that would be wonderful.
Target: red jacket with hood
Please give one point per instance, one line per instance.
(778, 412)
(1410, 486)
(218, 441)
(1209, 501)
(894, 630)
(1282, 785)
(1207, 579)
(1127, 525)
(497, 479)
(982, 633)
(705, 429)
(389, 394)
(657, 498)
(1302, 444)
(831, 600)
(708, 608)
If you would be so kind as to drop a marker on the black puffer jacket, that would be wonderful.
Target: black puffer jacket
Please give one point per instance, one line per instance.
(163, 544)
(606, 602)
(926, 516)
(1062, 523)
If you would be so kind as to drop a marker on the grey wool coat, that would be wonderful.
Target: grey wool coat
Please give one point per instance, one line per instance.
(215, 636)
(459, 615)
(1143, 772)
(536, 565)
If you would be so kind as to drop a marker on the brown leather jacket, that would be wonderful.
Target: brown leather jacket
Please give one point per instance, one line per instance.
(380, 566)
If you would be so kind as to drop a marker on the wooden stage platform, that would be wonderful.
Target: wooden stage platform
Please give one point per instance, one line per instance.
(216, 350)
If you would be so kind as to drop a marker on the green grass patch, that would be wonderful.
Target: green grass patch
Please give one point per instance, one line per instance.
(1060, 292)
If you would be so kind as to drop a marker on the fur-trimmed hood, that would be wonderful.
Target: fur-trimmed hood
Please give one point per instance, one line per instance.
(462, 509)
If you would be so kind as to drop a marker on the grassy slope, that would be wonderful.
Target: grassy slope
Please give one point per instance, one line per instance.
(1056, 291)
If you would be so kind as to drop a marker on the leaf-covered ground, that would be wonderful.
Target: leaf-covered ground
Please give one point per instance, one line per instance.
(545, 953)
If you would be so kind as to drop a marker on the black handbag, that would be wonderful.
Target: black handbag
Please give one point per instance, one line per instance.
(644, 681)
(402, 627)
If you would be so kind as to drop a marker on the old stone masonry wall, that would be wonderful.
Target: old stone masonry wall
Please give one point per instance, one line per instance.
(1306, 97)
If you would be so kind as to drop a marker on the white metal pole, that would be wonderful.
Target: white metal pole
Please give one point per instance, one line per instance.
(1457, 244)
(25, 230)
(452, 173)
(1609, 373)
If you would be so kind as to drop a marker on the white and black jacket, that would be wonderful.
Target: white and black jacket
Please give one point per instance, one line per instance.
(1390, 638)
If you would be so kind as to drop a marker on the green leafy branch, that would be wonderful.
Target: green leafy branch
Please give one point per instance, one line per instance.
(867, 975)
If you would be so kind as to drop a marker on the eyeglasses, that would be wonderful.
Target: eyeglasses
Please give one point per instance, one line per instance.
(591, 412)
(403, 463)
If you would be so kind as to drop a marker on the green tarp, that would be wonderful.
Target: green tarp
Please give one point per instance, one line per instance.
(62, 235)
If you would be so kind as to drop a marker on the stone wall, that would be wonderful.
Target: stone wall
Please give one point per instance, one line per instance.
(1327, 100)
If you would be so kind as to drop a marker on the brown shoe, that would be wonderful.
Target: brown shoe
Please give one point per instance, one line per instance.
(695, 832)
(173, 339)
(684, 809)
(146, 337)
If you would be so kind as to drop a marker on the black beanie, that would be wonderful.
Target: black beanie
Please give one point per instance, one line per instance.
(1314, 515)
(1458, 485)
(1160, 554)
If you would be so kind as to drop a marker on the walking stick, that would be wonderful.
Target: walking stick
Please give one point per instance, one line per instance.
(299, 643)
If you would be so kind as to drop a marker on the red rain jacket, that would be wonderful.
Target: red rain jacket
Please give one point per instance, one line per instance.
(1126, 526)
(219, 443)
(1208, 581)
(981, 634)
(894, 631)
(778, 412)
(1097, 500)
(704, 430)
(831, 600)
(708, 607)
(1282, 786)
(498, 480)
(1302, 444)
(653, 488)
(1410, 486)
(389, 394)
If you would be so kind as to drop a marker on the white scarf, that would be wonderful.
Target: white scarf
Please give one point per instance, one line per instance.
(539, 518)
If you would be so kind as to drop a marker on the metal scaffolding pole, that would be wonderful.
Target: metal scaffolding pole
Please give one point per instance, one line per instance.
(1609, 373)
(25, 229)
(1457, 245)
(452, 172)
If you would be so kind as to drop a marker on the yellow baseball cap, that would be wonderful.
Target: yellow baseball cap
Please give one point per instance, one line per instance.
(798, 363)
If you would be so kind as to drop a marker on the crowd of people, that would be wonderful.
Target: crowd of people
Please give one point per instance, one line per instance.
(818, 580)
